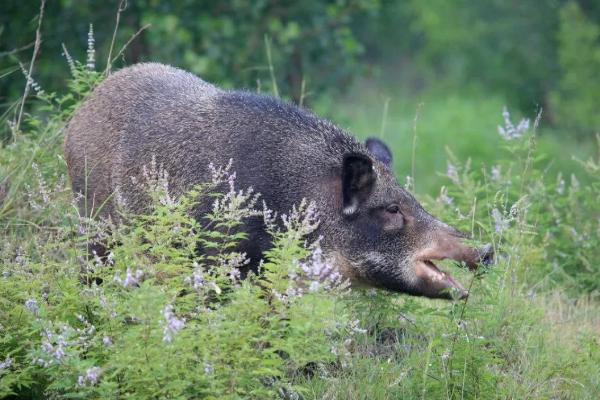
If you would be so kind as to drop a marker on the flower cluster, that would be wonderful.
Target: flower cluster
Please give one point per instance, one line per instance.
(156, 182)
(495, 173)
(6, 363)
(236, 205)
(107, 341)
(311, 276)
(303, 219)
(452, 173)
(31, 82)
(171, 323)
(500, 222)
(32, 306)
(509, 131)
(444, 198)
(196, 280)
(219, 175)
(343, 349)
(91, 52)
(231, 265)
(354, 327)
(319, 272)
(69, 58)
(58, 342)
(132, 279)
(54, 346)
(91, 377)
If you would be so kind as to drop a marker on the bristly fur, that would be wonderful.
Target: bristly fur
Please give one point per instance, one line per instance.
(161, 113)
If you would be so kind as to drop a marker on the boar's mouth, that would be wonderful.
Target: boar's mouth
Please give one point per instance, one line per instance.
(435, 283)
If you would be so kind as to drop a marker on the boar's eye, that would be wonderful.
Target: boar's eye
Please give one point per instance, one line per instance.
(393, 209)
(393, 218)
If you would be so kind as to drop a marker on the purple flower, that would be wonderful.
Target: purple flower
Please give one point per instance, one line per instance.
(32, 306)
(501, 224)
(509, 131)
(91, 377)
(319, 272)
(444, 198)
(452, 173)
(495, 173)
(6, 363)
(172, 324)
(107, 341)
(131, 279)
(54, 348)
(197, 279)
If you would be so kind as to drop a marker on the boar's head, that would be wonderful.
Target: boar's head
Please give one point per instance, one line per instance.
(386, 238)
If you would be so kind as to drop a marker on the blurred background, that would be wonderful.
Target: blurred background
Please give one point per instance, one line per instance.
(441, 70)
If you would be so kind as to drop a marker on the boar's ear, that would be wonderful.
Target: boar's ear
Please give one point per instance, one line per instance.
(358, 179)
(379, 150)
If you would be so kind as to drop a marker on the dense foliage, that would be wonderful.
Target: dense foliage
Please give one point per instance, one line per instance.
(157, 319)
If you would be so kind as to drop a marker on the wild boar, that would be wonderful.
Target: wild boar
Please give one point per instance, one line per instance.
(374, 230)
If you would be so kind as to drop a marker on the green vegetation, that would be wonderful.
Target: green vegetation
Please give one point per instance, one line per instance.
(159, 320)
(464, 123)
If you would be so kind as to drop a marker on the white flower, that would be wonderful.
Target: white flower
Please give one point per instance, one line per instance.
(354, 328)
(560, 184)
(156, 181)
(303, 219)
(91, 52)
(208, 368)
(233, 205)
(409, 183)
(445, 355)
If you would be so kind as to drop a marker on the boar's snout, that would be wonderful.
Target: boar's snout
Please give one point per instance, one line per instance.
(447, 243)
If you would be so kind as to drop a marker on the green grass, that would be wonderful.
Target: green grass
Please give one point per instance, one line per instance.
(464, 122)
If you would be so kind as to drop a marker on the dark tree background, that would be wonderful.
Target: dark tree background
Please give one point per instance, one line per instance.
(534, 52)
